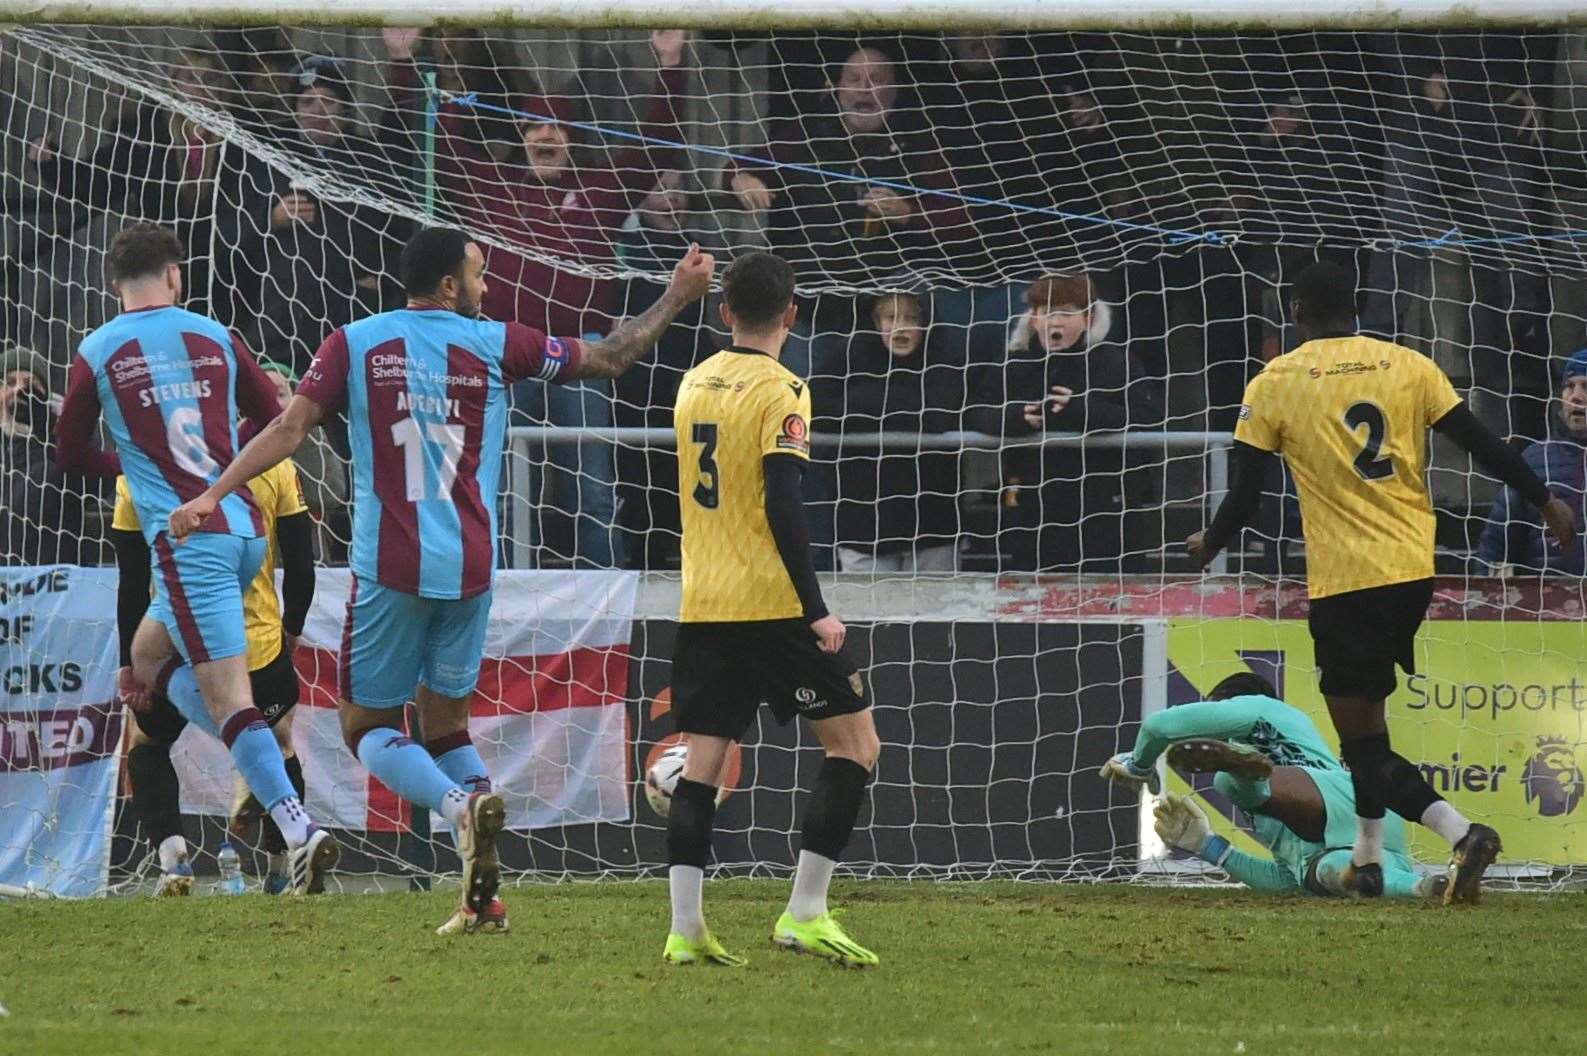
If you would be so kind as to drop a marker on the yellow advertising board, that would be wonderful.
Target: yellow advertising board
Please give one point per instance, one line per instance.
(1496, 717)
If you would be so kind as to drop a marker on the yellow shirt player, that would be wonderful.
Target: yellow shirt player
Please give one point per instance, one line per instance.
(274, 680)
(753, 628)
(1350, 416)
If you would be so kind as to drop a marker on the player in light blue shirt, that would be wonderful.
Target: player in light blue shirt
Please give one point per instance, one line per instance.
(425, 392)
(1269, 760)
(170, 385)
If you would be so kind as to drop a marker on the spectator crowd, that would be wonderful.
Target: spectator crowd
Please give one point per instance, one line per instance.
(1030, 285)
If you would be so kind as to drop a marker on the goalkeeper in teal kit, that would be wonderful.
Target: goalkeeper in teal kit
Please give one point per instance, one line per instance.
(1270, 760)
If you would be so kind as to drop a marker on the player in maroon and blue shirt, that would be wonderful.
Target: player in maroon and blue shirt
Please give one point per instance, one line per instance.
(425, 393)
(170, 385)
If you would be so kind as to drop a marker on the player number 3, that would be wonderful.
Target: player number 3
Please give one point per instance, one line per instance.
(447, 438)
(706, 492)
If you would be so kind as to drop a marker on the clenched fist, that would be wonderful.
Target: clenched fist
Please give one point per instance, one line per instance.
(691, 278)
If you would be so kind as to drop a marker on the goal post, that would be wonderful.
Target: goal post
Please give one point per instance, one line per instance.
(1106, 200)
(883, 15)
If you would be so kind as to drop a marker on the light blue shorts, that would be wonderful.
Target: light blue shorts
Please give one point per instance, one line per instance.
(393, 642)
(199, 585)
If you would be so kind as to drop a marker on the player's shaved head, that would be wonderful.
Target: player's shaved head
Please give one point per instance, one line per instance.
(758, 287)
(1324, 298)
(432, 254)
(1244, 684)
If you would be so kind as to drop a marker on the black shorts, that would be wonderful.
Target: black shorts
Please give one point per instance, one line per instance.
(723, 672)
(275, 692)
(276, 689)
(1361, 635)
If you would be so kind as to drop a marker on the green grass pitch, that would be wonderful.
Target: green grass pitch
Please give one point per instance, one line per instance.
(965, 968)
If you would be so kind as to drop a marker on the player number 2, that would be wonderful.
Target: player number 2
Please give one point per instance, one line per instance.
(447, 436)
(1370, 462)
(706, 492)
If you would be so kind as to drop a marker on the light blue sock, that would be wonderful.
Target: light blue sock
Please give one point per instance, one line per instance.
(465, 766)
(258, 758)
(407, 769)
(181, 688)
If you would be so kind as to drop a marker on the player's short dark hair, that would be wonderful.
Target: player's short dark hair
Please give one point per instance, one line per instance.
(758, 286)
(142, 251)
(1325, 293)
(1244, 684)
(431, 255)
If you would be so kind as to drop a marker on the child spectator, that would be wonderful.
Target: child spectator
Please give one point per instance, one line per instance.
(897, 509)
(1514, 535)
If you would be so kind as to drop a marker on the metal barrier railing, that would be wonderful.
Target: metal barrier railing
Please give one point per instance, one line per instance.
(521, 440)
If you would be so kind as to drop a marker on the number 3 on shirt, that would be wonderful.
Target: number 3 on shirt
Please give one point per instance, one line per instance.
(447, 436)
(1370, 463)
(706, 494)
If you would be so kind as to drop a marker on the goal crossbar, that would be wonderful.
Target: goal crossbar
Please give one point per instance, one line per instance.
(1184, 15)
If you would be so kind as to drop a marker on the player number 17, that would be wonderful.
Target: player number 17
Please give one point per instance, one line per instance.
(448, 439)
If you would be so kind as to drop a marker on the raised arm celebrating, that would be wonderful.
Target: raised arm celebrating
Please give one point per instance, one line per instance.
(630, 340)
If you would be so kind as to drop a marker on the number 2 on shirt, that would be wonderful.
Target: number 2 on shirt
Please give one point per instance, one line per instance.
(1371, 464)
(448, 436)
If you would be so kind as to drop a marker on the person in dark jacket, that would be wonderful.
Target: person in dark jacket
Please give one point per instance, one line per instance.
(656, 234)
(157, 165)
(1013, 132)
(1061, 508)
(41, 509)
(307, 264)
(897, 509)
(850, 227)
(1514, 534)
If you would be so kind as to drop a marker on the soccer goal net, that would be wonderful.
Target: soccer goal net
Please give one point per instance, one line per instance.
(1036, 271)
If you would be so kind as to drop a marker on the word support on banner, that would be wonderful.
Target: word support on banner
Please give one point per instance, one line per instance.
(548, 715)
(1495, 717)
(60, 730)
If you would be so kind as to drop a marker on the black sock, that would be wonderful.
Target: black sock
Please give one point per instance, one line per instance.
(689, 823)
(833, 806)
(274, 842)
(1389, 779)
(156, 796)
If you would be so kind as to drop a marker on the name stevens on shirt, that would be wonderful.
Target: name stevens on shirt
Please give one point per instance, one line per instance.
(176, 390)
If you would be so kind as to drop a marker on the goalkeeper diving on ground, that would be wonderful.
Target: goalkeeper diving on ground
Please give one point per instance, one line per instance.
(1271, 762)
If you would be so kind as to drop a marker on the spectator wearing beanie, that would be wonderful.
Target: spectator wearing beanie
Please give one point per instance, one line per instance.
(1514, 535)
(41, 509)
(309, 265)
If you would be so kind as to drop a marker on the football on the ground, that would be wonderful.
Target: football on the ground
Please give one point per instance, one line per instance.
(662, 778)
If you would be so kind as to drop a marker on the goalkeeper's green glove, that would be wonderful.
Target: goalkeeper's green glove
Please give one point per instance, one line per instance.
(1182, 824)
(1121, 770)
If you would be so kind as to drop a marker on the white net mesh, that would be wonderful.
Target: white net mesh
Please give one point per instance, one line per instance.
(974, 220)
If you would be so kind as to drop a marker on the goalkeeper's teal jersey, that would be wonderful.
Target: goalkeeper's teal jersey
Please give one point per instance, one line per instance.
(1280, 732)
(1286, 736)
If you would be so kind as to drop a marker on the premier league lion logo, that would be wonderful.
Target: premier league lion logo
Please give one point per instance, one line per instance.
(1553, 778)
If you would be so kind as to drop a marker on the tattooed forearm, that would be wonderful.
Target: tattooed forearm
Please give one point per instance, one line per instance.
(631, 340)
